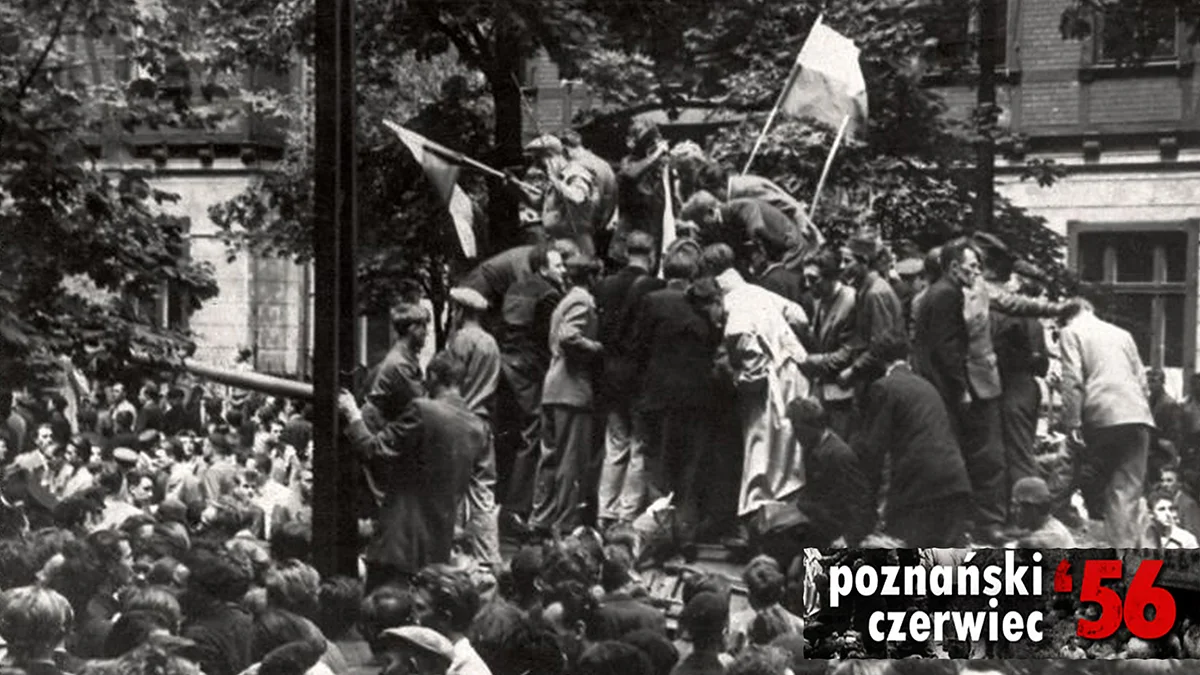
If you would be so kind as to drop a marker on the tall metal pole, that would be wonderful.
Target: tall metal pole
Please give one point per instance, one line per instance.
(985, 153)
(335, 534)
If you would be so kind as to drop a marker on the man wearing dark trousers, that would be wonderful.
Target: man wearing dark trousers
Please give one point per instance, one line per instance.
(420, 465)
(568, 470)
(952, 354)
(909, 430)
(622, 480)
(524, 358)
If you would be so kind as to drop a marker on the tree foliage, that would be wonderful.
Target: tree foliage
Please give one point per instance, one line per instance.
(88, 248)
(910, 174)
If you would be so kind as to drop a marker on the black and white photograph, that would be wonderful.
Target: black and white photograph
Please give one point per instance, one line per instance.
(591, 337)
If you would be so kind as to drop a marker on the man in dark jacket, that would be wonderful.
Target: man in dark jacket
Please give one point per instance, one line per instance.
(524, 359)
(943, 344)
(877, 309)
(398, 379)
(835, 497)
(222, 632)
(175, 417)
(420, 466)
(831, 339)
(908, 429)
(622, 481)
(676, 400)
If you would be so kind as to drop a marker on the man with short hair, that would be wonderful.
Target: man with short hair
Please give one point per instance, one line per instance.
(833, 498)
(969, 388)
(1163, 531)
(1164, 442)
(568, 470)
(704, 621)
(909, 431)
(1105, 410)
(831, 337)
(1185, 506)
(622, 479)
(150, 415)
(445, 599)
(420, 465)
(1032, 504)
(175, 417)
(398, 378)
(677, 400)
(525, 358)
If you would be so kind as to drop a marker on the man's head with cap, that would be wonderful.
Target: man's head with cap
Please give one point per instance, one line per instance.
(469, 302)
(547, 152)
(415, 650)
(860, 254)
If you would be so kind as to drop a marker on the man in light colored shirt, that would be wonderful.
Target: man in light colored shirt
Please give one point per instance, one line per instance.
(1106, 409)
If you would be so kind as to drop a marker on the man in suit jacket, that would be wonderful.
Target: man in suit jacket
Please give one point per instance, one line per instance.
(398, 378)
(676, 402)
(835, 499)
(831, 338)
(909, 430)
(954, 355)
(1105, 409)
(877, 308)
(524, 359)
(622, 479)
(420, 463)
(568, 468)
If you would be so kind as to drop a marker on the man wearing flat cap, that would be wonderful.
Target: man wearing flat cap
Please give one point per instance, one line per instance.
(877, 309)
(568, 469)
(570, 202)
(398, 378)
(480, 356)
(416, 650)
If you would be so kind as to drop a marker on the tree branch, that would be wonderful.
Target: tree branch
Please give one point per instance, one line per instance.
(469, 54)
(55, 33)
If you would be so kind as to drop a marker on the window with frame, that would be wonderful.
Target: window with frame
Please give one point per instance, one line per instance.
(1150, 33)
(956, 27)
(1139, 280)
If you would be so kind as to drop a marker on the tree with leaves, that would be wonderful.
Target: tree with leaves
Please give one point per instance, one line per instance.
(909, 176)
(88, 247)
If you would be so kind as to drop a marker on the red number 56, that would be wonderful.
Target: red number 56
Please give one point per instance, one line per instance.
(1142, 595)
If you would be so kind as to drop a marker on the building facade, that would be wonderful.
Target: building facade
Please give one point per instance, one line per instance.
(263, 305)
(1129, 135)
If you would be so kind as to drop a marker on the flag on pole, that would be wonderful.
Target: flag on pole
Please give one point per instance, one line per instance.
(443, 174)
(668, 219)
(827, 83)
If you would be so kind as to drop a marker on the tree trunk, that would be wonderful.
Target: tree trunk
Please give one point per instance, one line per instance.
(985, 153)
(503, 224)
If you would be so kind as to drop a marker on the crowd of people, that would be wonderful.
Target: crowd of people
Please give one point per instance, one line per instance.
(734, 378)
(764, 380)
